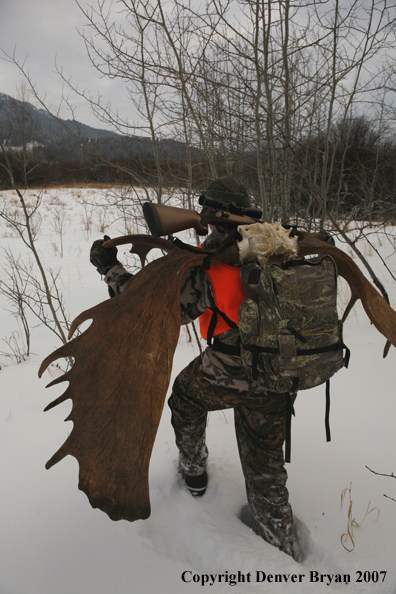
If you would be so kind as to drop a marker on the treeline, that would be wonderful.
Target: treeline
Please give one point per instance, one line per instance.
(361, 176)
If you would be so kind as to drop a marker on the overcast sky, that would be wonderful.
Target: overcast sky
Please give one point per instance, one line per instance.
(40, 31)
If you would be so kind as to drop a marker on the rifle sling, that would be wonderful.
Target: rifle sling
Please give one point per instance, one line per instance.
(212, 325)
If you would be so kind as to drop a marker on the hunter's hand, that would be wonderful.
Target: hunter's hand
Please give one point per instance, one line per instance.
(103, 259)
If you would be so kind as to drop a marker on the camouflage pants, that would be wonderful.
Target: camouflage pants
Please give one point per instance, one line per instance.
(260, 423)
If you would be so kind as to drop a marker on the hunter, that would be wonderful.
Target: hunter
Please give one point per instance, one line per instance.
(216, 380)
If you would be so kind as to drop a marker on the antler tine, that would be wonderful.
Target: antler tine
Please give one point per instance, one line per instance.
(349, 307)
(59, 455)
(57, 401)
(82, 317)
(59, 380)
(65, 350)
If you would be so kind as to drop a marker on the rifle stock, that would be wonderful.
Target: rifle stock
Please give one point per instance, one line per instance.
(165, 220)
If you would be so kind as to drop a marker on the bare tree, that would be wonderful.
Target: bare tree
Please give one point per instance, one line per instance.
(15, 288)
(45, 300)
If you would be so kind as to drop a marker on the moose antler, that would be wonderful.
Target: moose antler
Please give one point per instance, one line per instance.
(123, 363)
(376, 307)
(119, 380)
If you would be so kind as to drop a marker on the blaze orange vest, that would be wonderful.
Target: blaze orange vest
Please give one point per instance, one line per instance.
(228, 295)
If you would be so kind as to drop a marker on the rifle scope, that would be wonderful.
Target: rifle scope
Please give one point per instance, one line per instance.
(252, 211)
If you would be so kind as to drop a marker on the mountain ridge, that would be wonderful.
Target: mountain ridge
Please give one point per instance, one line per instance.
(16, 114)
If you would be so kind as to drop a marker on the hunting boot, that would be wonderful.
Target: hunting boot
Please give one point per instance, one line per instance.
(197, 484)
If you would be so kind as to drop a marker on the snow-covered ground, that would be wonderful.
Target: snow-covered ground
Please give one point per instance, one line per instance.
(53, 542)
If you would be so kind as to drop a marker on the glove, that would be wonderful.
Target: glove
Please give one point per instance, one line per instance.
(103, 258)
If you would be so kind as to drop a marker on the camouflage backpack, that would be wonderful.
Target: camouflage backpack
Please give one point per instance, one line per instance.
(291, 337)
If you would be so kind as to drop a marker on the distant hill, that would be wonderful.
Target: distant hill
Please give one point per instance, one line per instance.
(22, 122)
(20, 117)
(66, 151)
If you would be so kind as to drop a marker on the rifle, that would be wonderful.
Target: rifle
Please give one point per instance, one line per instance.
(165, 220)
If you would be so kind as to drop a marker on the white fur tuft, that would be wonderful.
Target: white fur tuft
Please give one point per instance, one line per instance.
(263, 240)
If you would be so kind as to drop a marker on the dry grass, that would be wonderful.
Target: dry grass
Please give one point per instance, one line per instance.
(77, 185)
(352, 523)
(54, 200)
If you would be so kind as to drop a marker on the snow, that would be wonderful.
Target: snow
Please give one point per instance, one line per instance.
(53, 542)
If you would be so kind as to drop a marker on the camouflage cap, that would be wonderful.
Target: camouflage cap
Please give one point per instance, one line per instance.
(228, 189)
